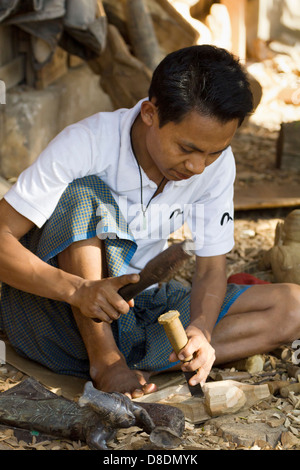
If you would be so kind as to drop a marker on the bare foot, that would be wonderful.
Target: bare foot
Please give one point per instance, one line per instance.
(119, 378)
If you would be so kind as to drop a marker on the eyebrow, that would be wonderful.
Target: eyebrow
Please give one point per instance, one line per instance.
(194, 147)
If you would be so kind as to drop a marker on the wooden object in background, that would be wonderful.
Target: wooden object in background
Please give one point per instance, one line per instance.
(252, 364)
(237, 14)
(293, 371)
(284, 391)
(13, 72)
(266, 195)
(228, 375)
(288, 144)
(56, 68)
(123, 77)
(284, 257)
(276, 385)
(142, 34)
(171, 29)
(201, 9)
(12, 62)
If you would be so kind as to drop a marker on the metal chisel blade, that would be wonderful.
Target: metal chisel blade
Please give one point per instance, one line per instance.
(195, 390)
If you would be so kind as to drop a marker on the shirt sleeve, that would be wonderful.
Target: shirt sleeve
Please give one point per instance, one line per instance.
(39, 188)
(211, 218)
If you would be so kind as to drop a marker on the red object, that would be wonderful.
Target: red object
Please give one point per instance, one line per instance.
(245, 278)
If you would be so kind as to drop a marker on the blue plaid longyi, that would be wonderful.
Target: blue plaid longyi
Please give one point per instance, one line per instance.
(45, 331)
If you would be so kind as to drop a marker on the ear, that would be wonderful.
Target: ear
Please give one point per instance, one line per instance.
(148, 113)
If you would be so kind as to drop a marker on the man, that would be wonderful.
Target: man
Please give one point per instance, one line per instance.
(79, 224)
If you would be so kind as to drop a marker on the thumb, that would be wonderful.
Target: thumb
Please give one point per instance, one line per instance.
(127, 279)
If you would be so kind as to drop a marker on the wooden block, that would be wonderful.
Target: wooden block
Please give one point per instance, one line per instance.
(194, 408)
(223, 399)
(230, 396)
(288, 144)
(13, 72)
(220, 398)
(266, 195)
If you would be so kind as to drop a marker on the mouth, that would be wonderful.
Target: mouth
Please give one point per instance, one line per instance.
(182, 176)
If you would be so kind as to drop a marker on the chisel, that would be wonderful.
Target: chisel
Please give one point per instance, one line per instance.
(178, 339)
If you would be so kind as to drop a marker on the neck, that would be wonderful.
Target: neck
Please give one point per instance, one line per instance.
(138, 142)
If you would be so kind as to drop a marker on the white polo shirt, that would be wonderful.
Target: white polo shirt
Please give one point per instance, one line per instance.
(100, 145)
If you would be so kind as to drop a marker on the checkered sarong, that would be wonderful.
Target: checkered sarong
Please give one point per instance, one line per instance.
(45, 331)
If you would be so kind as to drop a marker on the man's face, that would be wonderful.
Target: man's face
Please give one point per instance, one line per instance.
(182, 150)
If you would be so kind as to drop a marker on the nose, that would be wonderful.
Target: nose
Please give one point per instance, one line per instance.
(195, 165)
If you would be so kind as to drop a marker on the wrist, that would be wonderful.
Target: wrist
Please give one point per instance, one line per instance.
(198, 327)
(71, 286)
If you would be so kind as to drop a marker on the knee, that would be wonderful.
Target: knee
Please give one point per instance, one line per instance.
(288, 311)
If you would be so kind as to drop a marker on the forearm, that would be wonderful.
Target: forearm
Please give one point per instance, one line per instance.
(207, 296)
(23, 270)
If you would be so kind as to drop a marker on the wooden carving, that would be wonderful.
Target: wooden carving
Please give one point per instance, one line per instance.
(284, 257)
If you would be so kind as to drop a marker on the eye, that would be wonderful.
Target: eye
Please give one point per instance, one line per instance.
(185, 150)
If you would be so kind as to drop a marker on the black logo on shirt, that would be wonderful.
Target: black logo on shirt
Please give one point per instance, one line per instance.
(176, 212)
(226, 217)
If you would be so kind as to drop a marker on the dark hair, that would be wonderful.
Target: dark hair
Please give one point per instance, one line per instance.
(203, 78)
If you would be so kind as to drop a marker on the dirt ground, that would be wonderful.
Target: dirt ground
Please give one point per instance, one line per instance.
(275, 422)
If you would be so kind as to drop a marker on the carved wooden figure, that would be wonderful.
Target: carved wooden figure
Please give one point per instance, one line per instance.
(284, 257)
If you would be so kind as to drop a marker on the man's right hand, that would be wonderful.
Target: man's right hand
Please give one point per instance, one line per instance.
(100, 299)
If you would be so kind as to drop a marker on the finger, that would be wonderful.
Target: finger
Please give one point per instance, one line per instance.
(193, 345)
(200, 376)
(111, 303)
(101, 316)
(202, 359)
(203, 371)
(104, 311)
